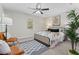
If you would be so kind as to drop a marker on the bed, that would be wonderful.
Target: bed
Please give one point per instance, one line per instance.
(46, 37)
(42, 39)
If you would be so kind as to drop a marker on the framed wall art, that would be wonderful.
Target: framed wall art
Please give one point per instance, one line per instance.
(30, 23)
(57, 20)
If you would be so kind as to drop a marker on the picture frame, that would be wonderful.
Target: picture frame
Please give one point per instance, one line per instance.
(57, 20)
(30, 23)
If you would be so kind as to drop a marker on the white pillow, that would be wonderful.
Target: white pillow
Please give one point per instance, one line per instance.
(4, 47)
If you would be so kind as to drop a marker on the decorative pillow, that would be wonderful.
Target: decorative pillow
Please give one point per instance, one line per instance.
(12, 43)
(12, 39)
(4, 47)
(2, 36)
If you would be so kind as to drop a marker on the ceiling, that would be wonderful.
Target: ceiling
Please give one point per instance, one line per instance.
(55, 8)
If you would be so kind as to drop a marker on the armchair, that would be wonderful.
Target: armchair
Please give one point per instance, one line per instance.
(14, 49)
(9, 40)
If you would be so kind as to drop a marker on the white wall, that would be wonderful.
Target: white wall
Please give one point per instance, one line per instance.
(0, 16)
(19, 27)
(2, 29)
(0, 11)
(63, 21)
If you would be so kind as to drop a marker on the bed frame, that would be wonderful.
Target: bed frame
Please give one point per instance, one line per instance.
(42, 39)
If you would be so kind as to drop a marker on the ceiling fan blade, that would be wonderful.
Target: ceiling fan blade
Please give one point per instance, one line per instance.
(41, 12)
(34, 12)
(38, 6)
(45, 9)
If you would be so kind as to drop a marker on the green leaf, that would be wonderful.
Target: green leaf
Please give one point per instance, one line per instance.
(73, 26)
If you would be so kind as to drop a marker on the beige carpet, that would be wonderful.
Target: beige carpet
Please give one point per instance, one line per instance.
(61, 49)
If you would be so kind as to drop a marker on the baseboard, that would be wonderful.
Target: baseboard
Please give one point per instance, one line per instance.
(23, 39)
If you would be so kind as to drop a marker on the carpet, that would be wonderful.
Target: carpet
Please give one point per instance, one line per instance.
(33, 47)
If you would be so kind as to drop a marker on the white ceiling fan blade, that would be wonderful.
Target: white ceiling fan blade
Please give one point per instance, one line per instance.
(38, 6)
(34, 12)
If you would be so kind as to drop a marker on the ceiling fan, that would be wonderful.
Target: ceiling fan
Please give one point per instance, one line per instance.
(39, 9)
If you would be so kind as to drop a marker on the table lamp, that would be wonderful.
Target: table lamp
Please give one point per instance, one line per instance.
(6, 22)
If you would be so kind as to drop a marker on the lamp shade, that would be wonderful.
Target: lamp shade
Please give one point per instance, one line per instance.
(7, 21)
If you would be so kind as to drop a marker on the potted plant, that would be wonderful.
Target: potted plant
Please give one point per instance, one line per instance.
(71, 31)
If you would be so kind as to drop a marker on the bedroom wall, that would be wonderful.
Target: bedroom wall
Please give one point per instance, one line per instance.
(1, 15)
(63, 20)
(19, 27)
(0, 10)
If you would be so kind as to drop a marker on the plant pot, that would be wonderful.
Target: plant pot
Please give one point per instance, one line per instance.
(69, 53)
(73, 52)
